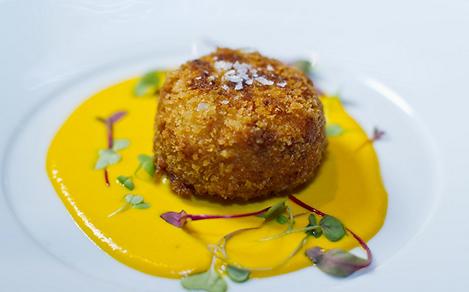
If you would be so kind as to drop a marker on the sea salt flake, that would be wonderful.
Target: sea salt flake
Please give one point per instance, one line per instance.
(262, 80)
(282, 83)
(202, 106)
(225, 101)
(225, 87)
(270, 68)
(198, 77)
(223, 65)
(234, 78)
(239, 86)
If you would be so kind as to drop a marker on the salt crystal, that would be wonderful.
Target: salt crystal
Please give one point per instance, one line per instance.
(223, 65)
(202, 106)
(282, 83)
(249, 81)
(225, 87)
(224, 101)
(198, 77)
(239, 86)
(262, 80)
(234, 78)
(270, 68)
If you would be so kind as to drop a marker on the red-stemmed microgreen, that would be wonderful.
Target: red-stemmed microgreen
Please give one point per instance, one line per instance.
(109, 122)
(335, 262)
(376, 136)
(109, 156)
(179, 219)
(131, 201)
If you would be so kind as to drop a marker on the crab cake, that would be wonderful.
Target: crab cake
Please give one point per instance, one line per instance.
(238, 125)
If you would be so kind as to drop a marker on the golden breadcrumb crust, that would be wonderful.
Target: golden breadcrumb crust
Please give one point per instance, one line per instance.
(214, 140)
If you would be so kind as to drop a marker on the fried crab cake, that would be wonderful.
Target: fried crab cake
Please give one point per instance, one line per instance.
(237, 125)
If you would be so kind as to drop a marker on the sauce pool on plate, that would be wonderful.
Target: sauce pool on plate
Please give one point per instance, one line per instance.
(348, 186)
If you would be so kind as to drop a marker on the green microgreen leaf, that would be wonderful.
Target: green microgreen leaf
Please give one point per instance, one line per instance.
(142, 205)
(107, 157)
(334, 130)
(148, 83)
(209, 281)
(305, 66)
(126, 181)
(336, 262)
(317, 232)
(291, 218)
(274, 211)
(281, 219)
(146, 162)
(120, 144)
(236, 274)
(133, 199)
(332, 228)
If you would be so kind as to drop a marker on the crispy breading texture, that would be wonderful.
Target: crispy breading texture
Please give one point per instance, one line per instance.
(214, 139)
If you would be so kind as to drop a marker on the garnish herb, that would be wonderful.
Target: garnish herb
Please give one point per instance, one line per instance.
(179, 219)
(126, 181)
(332, 228)
(237, 274)
(274, 211)
(110, 156)
(334, 130)
(146, 162)
(131, 201)
(281, 219)
(376, 136)
(109, 122)
(312, 222)
(149, 83)
(209, 281)
(305, 66)
(335, 262)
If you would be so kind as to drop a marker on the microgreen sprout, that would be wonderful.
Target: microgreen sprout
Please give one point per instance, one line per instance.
(179, 219)
(335, 262)
(126, 181)
(145, 162)
(334, 130)
(131, 201)
(304, 66)
(149, 83)
(210, 281)
(237, 274)
(109, 156)
(376, 136)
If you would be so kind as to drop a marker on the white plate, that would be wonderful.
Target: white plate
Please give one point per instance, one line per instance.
(384, 59)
